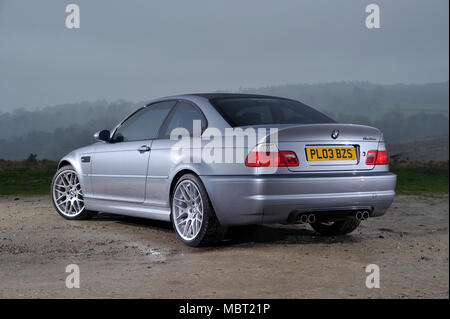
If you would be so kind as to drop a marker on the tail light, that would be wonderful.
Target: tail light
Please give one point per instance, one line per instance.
(378, 157)
(265, 155)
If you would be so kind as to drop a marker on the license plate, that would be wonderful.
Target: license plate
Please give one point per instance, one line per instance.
(331, 153)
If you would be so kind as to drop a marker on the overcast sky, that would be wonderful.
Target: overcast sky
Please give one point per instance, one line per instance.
(138, 50)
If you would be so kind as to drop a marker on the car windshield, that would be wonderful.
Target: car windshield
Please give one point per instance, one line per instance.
(238, 111)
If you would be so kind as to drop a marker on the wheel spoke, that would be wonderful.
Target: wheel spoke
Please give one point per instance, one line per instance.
(76, 204)
(191, 192)
(65, 180)
(194, 228)
(186, 227)
(185, 192)
(179, 206)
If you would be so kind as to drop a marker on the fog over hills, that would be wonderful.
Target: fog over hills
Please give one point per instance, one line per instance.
(405, 113)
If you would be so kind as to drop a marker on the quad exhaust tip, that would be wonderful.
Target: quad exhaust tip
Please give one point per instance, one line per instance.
(362, 215)
(311, 218)
(307, 218)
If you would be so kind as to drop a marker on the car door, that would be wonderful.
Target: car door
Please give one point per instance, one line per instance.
(158, 185)
(119, 168)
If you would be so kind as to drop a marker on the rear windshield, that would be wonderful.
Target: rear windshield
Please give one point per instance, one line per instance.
(259, 111)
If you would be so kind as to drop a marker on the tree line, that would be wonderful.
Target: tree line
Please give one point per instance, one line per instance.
(403, 112)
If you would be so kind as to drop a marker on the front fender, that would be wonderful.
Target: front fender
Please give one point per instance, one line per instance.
(83, 170)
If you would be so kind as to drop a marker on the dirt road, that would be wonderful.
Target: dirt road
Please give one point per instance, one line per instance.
(134, 258)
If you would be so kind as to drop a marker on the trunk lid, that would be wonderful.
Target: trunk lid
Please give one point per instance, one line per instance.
(298, 138)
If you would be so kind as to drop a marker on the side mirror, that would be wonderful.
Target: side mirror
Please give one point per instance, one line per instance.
(103, 135)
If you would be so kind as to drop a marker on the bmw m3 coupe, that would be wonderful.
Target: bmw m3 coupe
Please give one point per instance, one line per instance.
(205, 162)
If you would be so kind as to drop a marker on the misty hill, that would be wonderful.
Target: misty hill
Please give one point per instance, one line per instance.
(364, 98)
(20, 122)
(404, 113)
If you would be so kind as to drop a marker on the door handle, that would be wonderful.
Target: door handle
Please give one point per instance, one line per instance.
(143, 149)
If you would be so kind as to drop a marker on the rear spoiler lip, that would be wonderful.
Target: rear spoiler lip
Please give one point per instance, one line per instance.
(367, 134)
(286, 126)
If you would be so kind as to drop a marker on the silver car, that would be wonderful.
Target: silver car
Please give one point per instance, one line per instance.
(300, 167)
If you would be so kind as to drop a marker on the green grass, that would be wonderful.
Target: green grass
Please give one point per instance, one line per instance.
(410, 179)
(26, 182)
(421, 179)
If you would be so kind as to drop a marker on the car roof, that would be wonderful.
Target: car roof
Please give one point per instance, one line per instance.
(210, 96)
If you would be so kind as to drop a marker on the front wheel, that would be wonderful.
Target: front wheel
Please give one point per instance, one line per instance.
(336, 228)
(67, 195)
(193, 216)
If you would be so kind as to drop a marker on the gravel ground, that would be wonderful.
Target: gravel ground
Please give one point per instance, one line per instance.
(122, 257)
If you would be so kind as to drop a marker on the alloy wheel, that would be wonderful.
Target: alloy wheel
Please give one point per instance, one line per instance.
(67, 193)
(187, 205)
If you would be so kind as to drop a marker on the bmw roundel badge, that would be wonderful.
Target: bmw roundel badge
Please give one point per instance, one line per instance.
(335, 134)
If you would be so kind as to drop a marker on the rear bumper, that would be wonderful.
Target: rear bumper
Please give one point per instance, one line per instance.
(240, 200)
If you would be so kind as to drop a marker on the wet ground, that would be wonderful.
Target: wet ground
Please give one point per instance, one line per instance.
(136, 258)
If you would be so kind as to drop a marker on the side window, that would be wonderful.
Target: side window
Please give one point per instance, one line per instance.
(145, 124)
(183, 116)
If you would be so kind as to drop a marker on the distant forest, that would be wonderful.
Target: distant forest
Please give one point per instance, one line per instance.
(404, 113)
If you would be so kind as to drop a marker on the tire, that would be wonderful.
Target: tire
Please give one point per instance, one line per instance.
(189, 204)
(336, 228)
(65, 185)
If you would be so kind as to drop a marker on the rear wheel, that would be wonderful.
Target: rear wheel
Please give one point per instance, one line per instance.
(336, 228)
(193, 216)
(67, 195)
